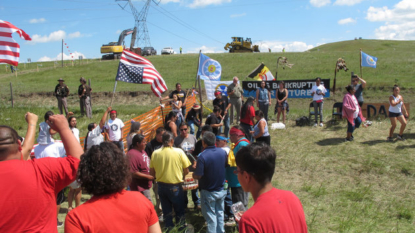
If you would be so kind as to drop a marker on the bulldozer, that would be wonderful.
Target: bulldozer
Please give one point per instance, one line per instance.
(113, 50)
(239, 45)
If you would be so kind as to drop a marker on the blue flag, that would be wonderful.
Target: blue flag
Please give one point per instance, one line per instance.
(368, 61)
(209, 69)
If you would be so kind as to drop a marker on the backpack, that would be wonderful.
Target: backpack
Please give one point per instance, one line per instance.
(302, 121)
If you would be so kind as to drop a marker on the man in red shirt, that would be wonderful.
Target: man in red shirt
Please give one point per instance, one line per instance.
(29, 188)
(274, 210)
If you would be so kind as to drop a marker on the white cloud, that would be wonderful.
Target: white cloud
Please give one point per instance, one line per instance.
(347, 2)
(118, 32)
(75, 35)
(277, 46)
(399, 21)
(346, 21)
(238, 15)
(206, 50)
(74, 56)
(319, 3)
(203, 3)
(54, 36)
(41, 20)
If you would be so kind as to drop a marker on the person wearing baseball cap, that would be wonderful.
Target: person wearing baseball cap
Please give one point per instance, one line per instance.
(61, 92)
(193, 118)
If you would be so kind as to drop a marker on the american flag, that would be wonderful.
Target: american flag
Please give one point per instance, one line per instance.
(136, 69)
(9, 49)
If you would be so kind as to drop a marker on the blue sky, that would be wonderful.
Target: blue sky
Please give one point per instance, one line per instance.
(296, 25)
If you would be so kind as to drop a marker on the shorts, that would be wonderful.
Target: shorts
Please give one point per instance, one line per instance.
(60, 198)
(75, 185)
(395, 114)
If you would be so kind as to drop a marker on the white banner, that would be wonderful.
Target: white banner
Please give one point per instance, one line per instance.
(212, 86)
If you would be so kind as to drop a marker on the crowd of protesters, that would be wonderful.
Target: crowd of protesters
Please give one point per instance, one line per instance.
(120, 184)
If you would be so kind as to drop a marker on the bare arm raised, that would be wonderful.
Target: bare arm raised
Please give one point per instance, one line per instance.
(31, 120)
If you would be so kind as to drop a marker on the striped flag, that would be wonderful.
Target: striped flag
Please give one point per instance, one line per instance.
(9, 48)
(262, 73)
(136, 69)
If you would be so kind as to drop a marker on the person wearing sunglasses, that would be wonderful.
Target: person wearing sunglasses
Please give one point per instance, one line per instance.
(275, 210)
(187, 143)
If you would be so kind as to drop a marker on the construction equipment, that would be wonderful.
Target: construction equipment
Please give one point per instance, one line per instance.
(113, 50)
(239, 45)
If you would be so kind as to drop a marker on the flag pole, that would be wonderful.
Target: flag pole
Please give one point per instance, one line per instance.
(201, 101)
(361, 70)
(113, 93)
(200, 52)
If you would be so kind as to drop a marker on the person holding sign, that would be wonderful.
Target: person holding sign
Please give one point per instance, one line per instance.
(263, 99)
(395, 112)
(318, 92)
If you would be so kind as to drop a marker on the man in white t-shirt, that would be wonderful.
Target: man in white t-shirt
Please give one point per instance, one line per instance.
(318, 92)
(114, 128)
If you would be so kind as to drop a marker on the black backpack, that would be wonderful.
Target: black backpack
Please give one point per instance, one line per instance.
(302, 121)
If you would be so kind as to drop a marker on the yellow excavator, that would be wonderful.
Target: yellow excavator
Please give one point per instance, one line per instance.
(113, 50)
(239, 45)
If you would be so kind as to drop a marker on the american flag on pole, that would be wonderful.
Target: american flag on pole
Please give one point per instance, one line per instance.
(9, 49)
(136, 69)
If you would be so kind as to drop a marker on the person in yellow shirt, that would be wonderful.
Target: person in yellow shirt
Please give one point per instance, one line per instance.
(169, 165)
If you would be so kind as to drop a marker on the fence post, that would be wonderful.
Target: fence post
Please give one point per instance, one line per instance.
(11, 94)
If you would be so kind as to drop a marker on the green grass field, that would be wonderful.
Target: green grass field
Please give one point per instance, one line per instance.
(360, 186)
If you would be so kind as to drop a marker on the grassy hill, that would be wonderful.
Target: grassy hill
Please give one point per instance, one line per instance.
(360, 186)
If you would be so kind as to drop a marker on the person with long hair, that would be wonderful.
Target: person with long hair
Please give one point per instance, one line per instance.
(170, 123)
(247, 117)
(134, 129)
(260, 132)
(281, 106)
(397, 111)
(318, 92)
(263, 99)
(352, 112)
(104, 173)
(176, 105)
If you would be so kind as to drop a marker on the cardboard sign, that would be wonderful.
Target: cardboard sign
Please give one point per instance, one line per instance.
(370, 110)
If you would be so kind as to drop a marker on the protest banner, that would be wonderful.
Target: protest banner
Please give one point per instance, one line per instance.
(296, 88)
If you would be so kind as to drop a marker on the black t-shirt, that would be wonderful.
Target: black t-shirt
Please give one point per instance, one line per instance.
(192, 115)
(181, 94)
(222, 103)
(152, 146)
(212, 119)
(198, 149)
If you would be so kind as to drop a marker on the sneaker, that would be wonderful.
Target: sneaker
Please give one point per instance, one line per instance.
(389, 139)
(321, 124)
(349, 139)
(315, 125)
(400, 137)
(60, 224)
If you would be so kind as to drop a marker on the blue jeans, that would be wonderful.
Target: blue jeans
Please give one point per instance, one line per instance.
(172, 197)
(350, 127)
(192, 125)
(212, 210)
(226, 124)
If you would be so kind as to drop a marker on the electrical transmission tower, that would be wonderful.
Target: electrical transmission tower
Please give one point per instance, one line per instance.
(142, 38)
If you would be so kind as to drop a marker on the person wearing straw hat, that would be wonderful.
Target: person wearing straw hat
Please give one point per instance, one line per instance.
(61, 92)
(193, 118)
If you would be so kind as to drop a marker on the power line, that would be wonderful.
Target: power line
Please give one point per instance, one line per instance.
(186, 25)
(173, 33)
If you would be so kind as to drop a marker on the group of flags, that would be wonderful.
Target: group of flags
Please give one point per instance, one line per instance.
(136, 69)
